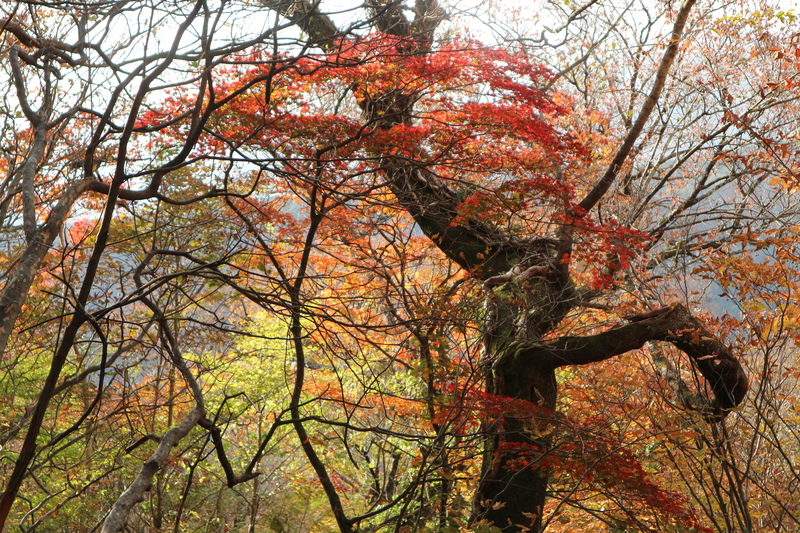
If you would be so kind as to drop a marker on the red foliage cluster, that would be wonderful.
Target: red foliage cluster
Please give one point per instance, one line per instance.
(583, 453)
(481, 123)
(479, 118)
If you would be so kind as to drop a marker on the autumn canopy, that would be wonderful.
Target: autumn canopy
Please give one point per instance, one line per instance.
(408, 266)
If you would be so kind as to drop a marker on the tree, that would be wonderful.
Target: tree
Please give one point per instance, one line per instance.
(367, 184)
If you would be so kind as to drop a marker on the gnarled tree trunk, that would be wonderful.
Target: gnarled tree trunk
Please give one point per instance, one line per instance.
(529, 287)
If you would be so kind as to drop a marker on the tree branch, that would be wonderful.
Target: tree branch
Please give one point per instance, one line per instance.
(389, 17)
(61, 51)
(118, 516)
(664, 67)
(604, 184)
(434, 206)
(306, 14)
(675, 325)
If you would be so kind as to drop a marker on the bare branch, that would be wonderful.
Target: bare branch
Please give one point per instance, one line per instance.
(664, 67)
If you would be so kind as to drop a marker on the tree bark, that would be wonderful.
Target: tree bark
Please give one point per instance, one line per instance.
(118, 516)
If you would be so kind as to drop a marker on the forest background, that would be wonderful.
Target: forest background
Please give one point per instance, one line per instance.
(298, 266)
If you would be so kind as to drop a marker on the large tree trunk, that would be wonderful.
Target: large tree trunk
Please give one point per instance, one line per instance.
(522, 305)
(513, 486)
(529, 289)
(521, 381)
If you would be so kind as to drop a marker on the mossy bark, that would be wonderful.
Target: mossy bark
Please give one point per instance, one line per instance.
(522, 305)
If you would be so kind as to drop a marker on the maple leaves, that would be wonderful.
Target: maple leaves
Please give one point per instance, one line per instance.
(759, 273)
(302, 247)
(479, 123)
(450, 131)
